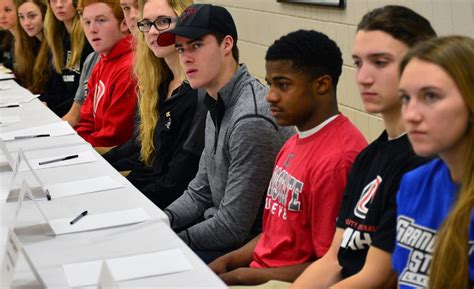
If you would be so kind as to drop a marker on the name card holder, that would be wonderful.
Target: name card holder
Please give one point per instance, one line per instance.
(10, 261)
(26, 192)
(21, 158)
(106, 279)
(7, 154)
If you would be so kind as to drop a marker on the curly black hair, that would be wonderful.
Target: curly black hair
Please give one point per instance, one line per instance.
(311, 52)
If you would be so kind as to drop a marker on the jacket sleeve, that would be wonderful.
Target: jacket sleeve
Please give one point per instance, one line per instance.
(86, 124)
(253, 146)
(117, 120)
(183, 164)
(86, 72)
(55, 94)
(190, 207)
(125, 157)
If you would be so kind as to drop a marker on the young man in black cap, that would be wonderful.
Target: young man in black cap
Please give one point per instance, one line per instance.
(218, 212)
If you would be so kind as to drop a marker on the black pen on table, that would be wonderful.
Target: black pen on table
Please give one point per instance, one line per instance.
(59, 160)
(48, 195)
(32, 136)
(10, 105)
(76, 219)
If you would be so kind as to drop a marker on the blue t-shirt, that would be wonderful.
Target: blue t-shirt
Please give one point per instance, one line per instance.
(424, 200)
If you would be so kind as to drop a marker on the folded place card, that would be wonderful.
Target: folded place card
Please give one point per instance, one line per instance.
(106, 280)
(4, 76)
(80, 187)
(60, 160)
(7, 120)
(20, 98)
(129, 267)
(48, 130)
(98, 221)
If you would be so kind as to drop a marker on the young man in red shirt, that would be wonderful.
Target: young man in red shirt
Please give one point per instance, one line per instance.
(310, 173)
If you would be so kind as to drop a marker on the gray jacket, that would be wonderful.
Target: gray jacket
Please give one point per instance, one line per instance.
(219, 208)
(87, 67)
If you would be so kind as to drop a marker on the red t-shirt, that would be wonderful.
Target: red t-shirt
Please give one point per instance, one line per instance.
(305, 194)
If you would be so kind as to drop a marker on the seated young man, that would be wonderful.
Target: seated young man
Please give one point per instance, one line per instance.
(219, 210)
(360, 253)
(107, 115)
(305, 192)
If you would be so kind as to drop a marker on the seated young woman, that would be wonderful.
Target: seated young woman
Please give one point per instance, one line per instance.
(164, 154)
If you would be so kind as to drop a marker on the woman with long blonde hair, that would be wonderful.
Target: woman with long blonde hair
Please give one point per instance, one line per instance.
(31, 49)
(69, 48)
(164, 155)
(435, 232)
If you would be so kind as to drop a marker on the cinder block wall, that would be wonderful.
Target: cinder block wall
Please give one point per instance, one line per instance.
(260, 22)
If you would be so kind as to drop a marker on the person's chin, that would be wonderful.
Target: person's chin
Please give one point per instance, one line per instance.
(372, 108)
(195, 83)
(159, 53)
(281, 121)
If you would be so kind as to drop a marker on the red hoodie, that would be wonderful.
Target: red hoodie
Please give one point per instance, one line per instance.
(107, 115)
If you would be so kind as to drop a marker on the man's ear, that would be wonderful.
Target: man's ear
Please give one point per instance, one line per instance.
(322, 84)
(227, 44)
(123, 27)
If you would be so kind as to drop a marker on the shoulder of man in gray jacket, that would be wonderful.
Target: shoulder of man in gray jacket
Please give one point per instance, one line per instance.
(87, 67)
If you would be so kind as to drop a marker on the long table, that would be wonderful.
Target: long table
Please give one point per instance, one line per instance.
(47, 253)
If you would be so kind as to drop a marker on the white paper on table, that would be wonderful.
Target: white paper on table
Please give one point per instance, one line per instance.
(7, 120)
(31, 97)
(80, 187)
(82, 274)
(53, 129)
(83, 157)
(18, 98)
(98, 221)
(149, 264)
(14, 92)
(6, 76)
(130, 267)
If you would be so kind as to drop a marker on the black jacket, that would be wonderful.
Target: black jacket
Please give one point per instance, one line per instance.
(178, 140)
(61, 88)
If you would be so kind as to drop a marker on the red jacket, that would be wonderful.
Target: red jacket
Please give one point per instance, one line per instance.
(107, 115)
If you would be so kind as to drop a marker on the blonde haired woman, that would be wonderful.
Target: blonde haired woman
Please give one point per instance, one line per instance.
(165, 153)
(31, 49)
(69, 48)
(435, 229)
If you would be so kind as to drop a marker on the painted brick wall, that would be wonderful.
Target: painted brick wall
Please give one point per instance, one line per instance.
(260, 22)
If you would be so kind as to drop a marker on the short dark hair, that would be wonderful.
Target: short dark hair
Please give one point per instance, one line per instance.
(311, 52)
(235, 50)
(400, 22)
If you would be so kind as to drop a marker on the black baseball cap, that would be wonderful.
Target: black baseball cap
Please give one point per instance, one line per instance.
(199, 20)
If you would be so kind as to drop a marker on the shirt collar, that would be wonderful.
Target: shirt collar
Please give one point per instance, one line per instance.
(310, 132)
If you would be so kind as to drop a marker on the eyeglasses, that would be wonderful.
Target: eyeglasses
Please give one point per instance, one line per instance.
(160, 23)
